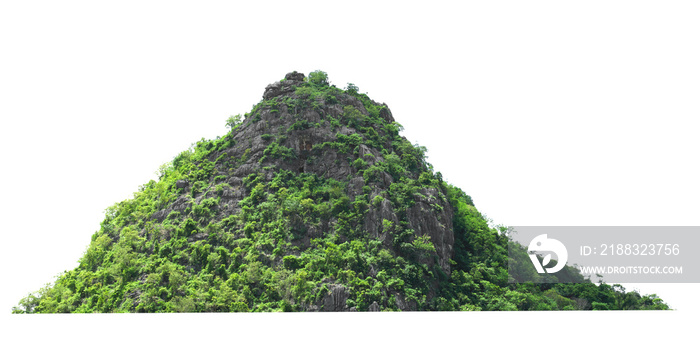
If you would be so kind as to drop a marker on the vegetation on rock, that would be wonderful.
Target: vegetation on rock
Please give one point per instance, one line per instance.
(312, 201)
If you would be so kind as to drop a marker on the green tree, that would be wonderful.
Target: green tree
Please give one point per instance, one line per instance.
(352, 89)
(233, 121)
(318, 77)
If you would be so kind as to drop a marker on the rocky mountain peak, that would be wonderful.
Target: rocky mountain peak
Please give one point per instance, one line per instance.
(312, 201)
(285, 86)
(318, 129)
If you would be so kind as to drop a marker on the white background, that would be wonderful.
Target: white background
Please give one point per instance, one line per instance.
(545, 112)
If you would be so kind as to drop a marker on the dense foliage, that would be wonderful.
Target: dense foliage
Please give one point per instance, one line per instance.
(293, 236)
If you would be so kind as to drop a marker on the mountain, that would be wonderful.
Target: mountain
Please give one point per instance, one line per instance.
(311, 202)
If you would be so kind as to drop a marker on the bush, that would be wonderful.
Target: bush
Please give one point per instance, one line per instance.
(197, 188)
(359, 164)
(318, 77)
(234, 121)
(291, 262)
(274, 151)
(300, 125)
(353, 116)
(352, 89)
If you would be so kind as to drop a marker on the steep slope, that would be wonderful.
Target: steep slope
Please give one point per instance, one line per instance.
(312, 202)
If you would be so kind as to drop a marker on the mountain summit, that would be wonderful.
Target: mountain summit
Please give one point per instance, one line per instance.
(312, 201)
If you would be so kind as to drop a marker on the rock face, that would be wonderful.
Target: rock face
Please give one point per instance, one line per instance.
(181, 183)
(285, 86)
(422, 217)
(307, 131)
(336, 299)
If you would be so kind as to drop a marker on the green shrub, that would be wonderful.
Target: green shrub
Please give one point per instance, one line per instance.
(353, 117)
(377, 200)
(352, 89)
(359, 164)
(300, 125)
(234, 121)
(274, 151)
(197, 188)
(291, 262)
(330, 99)
(318, 77)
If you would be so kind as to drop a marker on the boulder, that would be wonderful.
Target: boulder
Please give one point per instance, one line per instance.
(181, 183)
